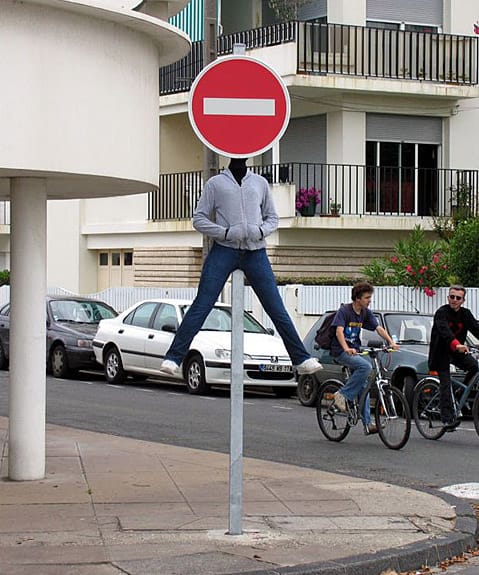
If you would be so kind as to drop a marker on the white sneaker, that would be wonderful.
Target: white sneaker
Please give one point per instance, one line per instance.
(310, 365)
(340, 402)
(169, 367)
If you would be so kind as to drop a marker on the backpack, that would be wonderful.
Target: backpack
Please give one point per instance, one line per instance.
(324, 335)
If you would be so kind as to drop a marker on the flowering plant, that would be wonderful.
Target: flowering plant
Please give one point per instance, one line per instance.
(417, 262)
(307, 196)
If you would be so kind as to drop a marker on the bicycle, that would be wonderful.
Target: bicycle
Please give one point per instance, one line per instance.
(391, 410)
(425, 406)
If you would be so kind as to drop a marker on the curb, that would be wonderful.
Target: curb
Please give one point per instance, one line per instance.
(406, 558)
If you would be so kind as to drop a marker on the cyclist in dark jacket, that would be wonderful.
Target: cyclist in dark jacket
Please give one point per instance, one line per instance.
(451, 324)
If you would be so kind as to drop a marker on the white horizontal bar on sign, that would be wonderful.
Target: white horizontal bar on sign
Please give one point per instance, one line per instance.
(239, 107)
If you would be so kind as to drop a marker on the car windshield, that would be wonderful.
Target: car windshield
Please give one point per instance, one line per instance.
(219, 319)
(409, 328)
(80, 311)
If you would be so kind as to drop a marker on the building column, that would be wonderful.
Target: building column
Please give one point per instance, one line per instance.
(26, 445)
(347, 147)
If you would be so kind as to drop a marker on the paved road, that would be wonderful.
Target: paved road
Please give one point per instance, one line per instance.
(275, 429)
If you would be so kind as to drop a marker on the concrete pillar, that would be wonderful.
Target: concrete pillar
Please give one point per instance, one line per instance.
(346, 145)
(26, 455)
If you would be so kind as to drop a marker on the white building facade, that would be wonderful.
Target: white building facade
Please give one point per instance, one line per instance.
(385, 105)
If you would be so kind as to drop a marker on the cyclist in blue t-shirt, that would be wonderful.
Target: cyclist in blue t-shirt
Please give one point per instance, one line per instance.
(346, 345)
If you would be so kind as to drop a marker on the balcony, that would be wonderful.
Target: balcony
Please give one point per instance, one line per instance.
(360, 190)
(353, 51)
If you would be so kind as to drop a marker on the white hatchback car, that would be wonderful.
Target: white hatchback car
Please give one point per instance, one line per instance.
(136, 341)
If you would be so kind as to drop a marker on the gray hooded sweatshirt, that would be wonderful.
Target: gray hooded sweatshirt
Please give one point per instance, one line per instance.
(236, 216)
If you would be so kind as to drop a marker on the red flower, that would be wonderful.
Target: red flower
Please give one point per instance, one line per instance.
(409, 269)
(436, 257)
(429, 291)
(394, 259)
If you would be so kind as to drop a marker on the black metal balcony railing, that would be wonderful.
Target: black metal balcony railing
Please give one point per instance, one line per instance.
(347, 50)
(360, 190)
(379, 53)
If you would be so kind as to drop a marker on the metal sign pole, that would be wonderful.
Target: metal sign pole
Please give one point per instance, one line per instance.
(236, 405)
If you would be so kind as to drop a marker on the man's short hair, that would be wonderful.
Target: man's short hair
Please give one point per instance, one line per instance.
(458, 287)
(360, 289)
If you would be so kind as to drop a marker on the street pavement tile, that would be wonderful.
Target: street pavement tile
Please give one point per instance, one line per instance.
(212, 563)
(378, 523)
(58, 488)
(153, 486)
(162, 521)
(336, 507)
(304, 490)
(132, 547)
(100, 463)
(96, 569)
(51, 554)
(109, 510)
(253, 490)
(68, 517)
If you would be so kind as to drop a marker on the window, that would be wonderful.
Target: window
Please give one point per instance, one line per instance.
(140, 317)
(127, 258)
(395, 171)
(115, 268)
(165, 315)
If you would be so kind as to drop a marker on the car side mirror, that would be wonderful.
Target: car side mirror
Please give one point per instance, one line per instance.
(169, 327)
(270, 330)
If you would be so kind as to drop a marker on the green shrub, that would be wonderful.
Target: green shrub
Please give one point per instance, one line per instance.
(464, 253)
(4, 277)
(416, 262)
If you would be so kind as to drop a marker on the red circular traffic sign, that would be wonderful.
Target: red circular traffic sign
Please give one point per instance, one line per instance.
(238, 106)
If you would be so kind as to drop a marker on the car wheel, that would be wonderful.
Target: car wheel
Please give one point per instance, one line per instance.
(114, 372)
(59, 362)
(3, 358)
(283, 391)
(195, 375)
(409, 383)
(307, 390)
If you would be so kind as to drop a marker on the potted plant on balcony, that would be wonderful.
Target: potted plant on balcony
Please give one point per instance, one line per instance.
(306, 201)
(335, 208)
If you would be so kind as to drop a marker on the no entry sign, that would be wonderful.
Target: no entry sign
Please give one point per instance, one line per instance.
(238, 106)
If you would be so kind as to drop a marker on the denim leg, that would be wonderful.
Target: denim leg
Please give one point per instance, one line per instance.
(257, 269)
(219, 264)
(360, 369)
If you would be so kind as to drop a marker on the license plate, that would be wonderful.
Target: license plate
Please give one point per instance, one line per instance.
(275, 367)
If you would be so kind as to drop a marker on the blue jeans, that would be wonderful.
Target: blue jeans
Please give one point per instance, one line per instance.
(219, 264)
(360, 369)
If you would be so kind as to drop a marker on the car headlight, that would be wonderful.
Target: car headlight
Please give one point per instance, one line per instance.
(84, 343)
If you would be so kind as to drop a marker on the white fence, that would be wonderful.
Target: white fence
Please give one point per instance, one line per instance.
(304, 303)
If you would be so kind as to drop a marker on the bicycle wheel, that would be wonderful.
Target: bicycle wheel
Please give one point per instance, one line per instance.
(475, 412)
(393, 418)
(425, 408)
(333, 423)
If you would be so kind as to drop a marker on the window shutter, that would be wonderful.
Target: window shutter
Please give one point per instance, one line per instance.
(412, 11)
(395, 128)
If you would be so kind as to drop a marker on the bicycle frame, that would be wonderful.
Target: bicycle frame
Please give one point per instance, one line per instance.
(376, 379)
(391, 412)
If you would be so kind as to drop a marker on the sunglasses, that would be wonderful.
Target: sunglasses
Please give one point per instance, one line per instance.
(456, 297)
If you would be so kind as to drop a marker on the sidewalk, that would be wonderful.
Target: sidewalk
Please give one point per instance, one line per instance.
(114, 506)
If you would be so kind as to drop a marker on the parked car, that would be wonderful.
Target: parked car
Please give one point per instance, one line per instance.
(411, 330)
(71, 324)
(135, 343)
